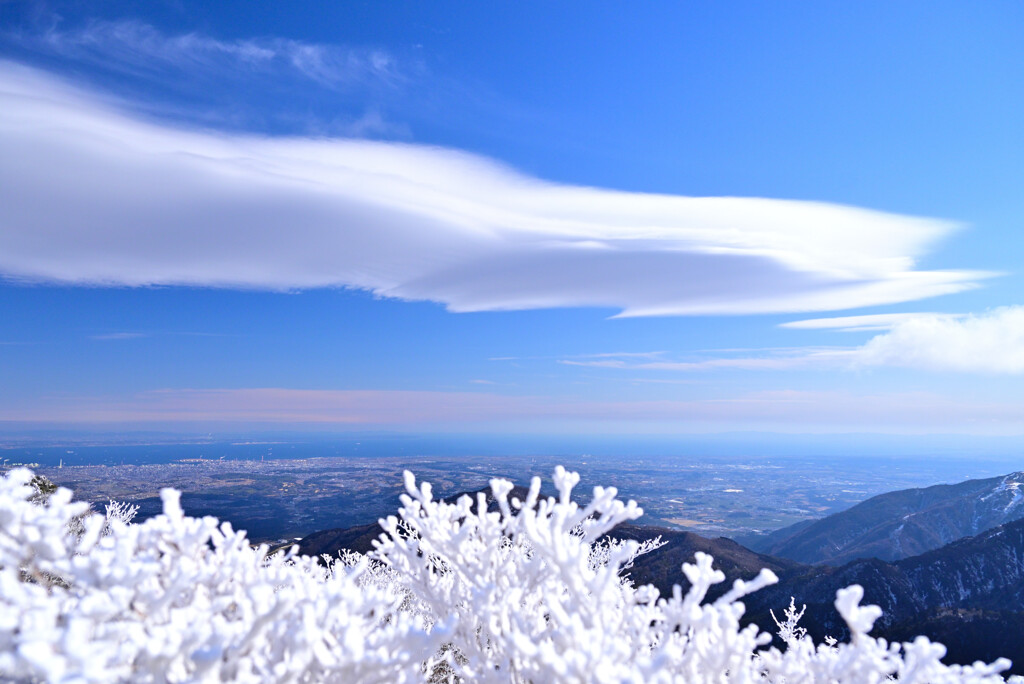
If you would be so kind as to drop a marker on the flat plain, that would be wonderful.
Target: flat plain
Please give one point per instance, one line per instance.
(282, 491)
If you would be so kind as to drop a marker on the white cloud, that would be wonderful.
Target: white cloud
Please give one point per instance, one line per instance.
(986, 343)
(992, 342)
(861, 323)
(93, 196)
(623, 355)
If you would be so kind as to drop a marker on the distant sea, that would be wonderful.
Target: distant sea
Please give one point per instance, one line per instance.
(1005, 453)
(148, 454)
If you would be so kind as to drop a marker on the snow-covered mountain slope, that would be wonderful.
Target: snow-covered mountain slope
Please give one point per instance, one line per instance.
(902, 524)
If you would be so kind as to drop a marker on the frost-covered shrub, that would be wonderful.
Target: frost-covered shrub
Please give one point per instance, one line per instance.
(122, 511)
(526, 593)
(184, 599)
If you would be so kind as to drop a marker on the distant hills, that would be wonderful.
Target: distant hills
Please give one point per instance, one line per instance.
(900, 524)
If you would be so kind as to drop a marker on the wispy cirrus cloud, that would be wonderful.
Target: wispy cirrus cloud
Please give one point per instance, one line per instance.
(259, 83)
(142, 334)
(623, 355)
(766, 359)
(138, 48)
(115, 336)
(865, 323)
(94, 196)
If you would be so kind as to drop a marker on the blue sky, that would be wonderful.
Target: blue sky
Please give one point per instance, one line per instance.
(585, 218)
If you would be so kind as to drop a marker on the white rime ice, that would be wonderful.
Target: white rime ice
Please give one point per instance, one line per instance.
(453, 592)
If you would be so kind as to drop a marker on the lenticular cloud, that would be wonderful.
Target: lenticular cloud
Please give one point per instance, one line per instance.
(93, 195)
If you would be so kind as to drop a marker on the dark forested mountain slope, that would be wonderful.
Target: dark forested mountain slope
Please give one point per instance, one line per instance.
(984, 571)
(662, 567)
(331, 542)
(983, 574)
(968, 635)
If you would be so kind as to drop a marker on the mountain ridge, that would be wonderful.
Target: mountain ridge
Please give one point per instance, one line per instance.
(900, 524)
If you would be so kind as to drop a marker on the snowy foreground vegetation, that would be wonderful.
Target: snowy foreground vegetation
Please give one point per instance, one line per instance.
(453, 593)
